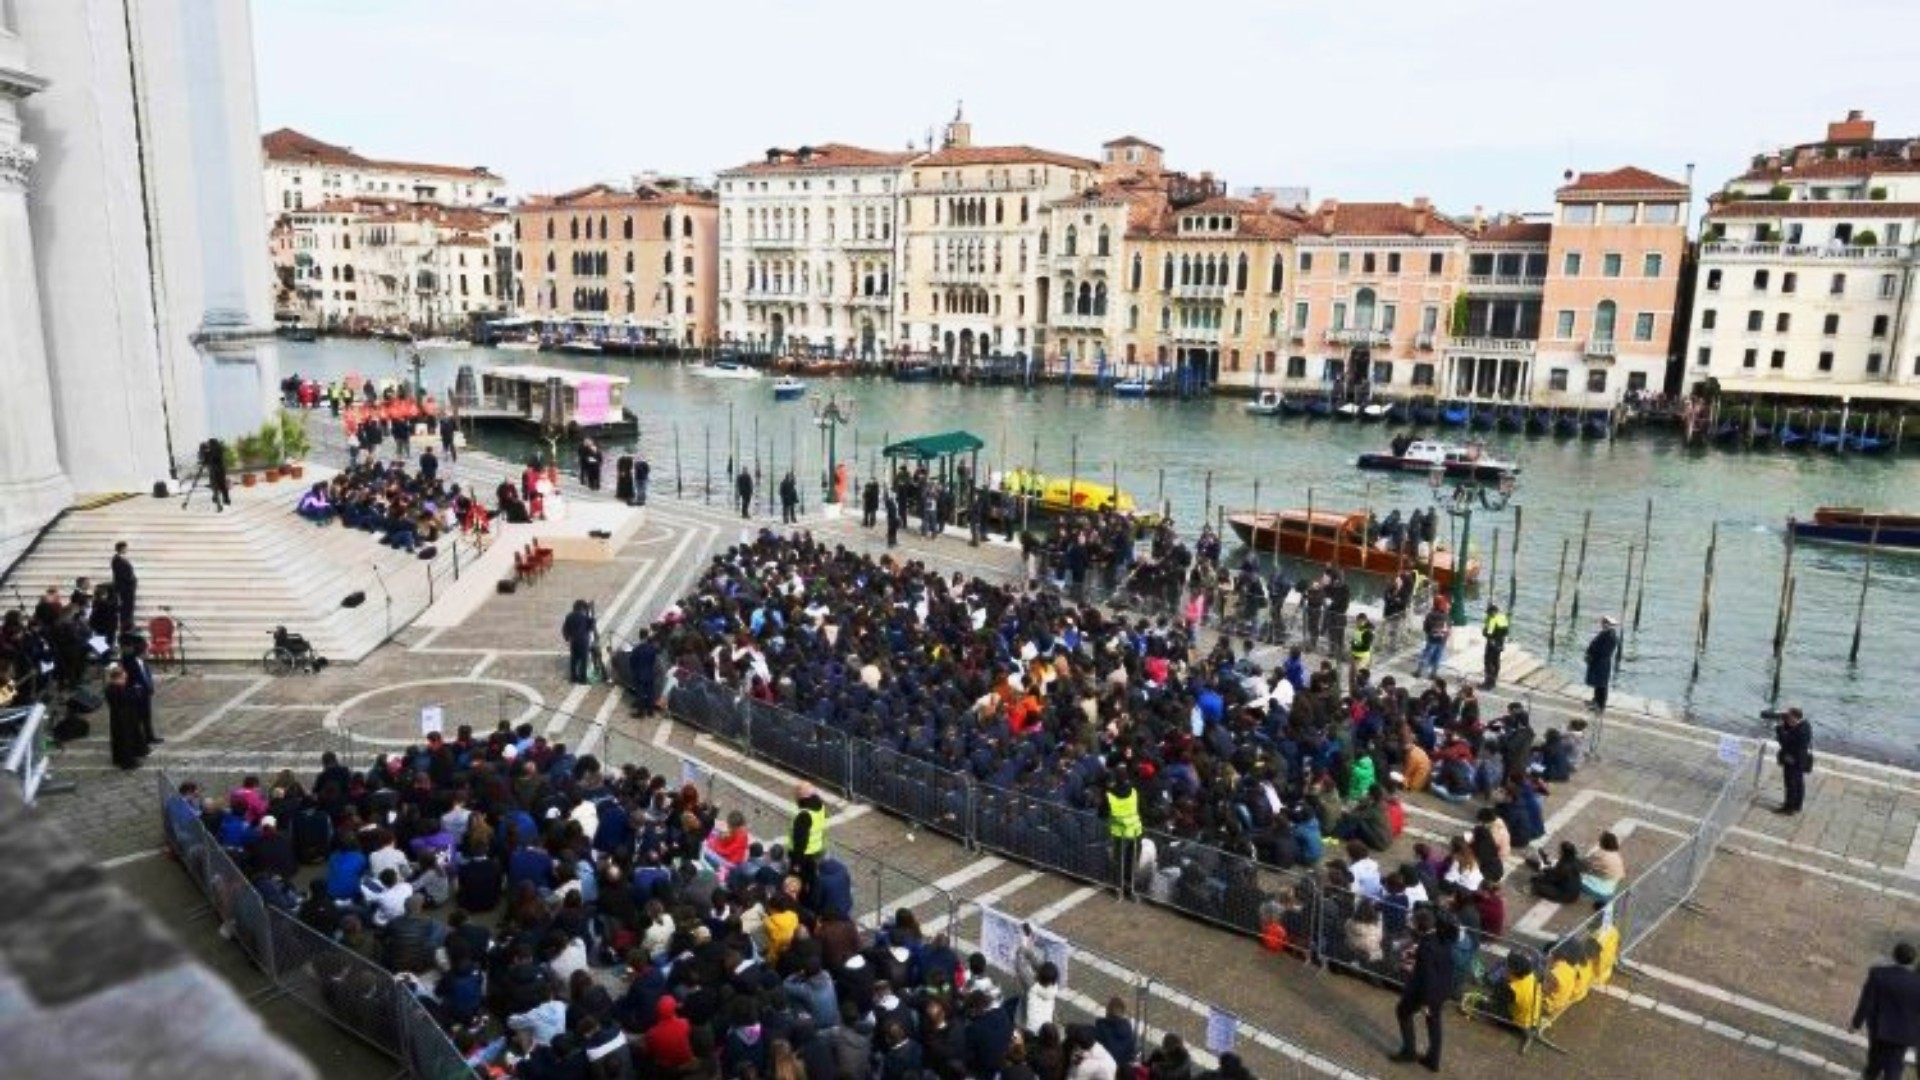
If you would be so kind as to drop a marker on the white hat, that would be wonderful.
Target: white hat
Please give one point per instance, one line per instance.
(268, 822)
(1608, 620)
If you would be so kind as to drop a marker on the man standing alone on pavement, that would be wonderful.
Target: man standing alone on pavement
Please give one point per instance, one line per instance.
(789, 500)
(894, 513)
(125, 582)
(743, 492)
(869, 503)
(1600, 658)
(1795, 737)
(1427, 988)
(1437, 625)
(577, 630)
(1890, 1011)
(1495, 630)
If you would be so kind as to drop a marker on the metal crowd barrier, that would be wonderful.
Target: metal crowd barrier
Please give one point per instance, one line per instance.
(353, 992)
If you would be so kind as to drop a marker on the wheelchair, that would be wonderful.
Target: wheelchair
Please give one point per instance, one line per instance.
(291, 653)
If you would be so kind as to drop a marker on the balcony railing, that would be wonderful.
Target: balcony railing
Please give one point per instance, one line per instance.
(1733, 249)
(1195, 335)
(1297, 335)
(1601, 349)
(1071, 320)
(1515, 346)
(775, 243)
(1423, 340)
(867, 243)
(1352, 336)
(1505, 281)
(778, 295)
(952, 276)
(871, 299)
(1200, 292)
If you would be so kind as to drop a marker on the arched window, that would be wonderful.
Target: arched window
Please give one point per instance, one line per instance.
(629, 262)
(1133, 317)
(517, 262)
(1273, 323)
(1275, 274)
(573, 228)
(1085, 305)
(666, 263)
(1166, 273)
(1236, 322)
(1240, 274)
(1072, 241)
(1363, 309)
(1023, 209)
(999, 210)
(1603, 321)
(686, 232)
(1186, 270)
(552, 263)
(666, 228)
(1043, 241)
(516, 228)
(629, 299)
(549, 228)
(1100, 298)
(603, 227)
(346, 272)
(626, 233)
(1133, 274)
(1166, 319)
(1102, 244)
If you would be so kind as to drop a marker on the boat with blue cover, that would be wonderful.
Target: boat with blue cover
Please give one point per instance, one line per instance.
(1852, 525)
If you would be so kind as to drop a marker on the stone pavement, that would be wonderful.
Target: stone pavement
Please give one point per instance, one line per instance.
(1758, 978)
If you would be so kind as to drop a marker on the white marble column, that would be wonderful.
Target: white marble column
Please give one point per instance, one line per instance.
(33, 487)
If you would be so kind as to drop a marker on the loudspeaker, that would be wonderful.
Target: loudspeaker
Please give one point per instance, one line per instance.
(601, 534)
(160, 490)
(354, 599)
(506, 586)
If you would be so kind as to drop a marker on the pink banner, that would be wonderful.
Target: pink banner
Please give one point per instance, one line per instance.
(593, 403)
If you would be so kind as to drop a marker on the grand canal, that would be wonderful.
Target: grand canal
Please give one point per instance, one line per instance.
(1185, 450)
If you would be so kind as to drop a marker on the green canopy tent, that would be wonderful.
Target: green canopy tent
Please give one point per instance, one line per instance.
(940, 450)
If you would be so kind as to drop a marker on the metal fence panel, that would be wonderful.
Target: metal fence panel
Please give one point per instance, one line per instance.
(708, 706)
(919, 791)
(1048, 834)
(1211, 884)
(793, 742)
(1166, 1010)
(340, 984)
(430, 1054)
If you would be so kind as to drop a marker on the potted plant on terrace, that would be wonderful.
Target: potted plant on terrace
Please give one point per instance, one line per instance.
(247, 456)
(295, 444)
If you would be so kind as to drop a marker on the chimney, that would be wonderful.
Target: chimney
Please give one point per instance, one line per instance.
(1422, 213)
(1329, 208)
(1855, 128)
(1263, 199)
(1479, 218)
(805, 154)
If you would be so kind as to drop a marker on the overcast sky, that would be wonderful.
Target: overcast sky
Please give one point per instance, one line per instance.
(1470, 102)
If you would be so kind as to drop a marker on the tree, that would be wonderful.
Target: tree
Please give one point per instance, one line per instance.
(1865, 238)
(1458, 323)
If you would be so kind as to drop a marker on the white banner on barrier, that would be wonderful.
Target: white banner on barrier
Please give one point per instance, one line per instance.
(1001, 936)
(432, 720)
(1222, 1029)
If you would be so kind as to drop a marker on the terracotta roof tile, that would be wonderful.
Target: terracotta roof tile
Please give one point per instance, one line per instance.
(1836, 169)
(286, 144)
(1003, 155)
(604, 197)
(1515, 232)
(827, 156)
(1131, 140)
(1616, 181)
(1767, 208)
(1379, 219)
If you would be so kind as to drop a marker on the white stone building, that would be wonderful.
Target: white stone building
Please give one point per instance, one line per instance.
(302, 172)
(807, 250)
(362, 263)
(1807, 273)
(135, 315)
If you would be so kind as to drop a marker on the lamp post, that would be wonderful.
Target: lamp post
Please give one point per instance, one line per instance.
(828, 416)
(1458, 502)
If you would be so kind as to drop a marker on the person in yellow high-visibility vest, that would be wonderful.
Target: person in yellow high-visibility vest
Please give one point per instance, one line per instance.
(807, 840)
(1496, 629)
(1124, 826)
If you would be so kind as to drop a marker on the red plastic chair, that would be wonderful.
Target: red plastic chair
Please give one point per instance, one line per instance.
(522, 568)
(160, 638)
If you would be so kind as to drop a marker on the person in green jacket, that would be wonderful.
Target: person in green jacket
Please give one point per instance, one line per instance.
(1360, 778)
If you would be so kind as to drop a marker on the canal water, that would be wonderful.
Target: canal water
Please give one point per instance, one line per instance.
(1182, 450)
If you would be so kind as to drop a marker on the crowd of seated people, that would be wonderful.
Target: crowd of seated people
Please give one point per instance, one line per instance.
(405, 509)
(566, 920)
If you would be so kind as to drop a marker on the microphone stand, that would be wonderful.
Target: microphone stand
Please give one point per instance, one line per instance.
(184, 632)
(381, 578)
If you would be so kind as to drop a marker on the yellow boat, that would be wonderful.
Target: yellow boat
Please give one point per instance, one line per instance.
(1057, 494)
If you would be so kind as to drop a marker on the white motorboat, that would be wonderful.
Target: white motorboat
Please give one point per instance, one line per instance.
(788, 388)
(1132, 388)
(579, 345)
(1268, 404)
(726, 369)
(1373, 413)
(529, 343)
(439, 343)
(1422, 456)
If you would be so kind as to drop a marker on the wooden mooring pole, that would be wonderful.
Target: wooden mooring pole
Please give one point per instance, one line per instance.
(1860, 609)
(1513, 562)
(1702, 624)
(1559, 580)
(1646, 560)
(1779, 654)
(1780, 613)
(1580, 567)
(1626, 590)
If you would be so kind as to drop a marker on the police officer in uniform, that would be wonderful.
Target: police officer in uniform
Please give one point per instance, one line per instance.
(807, 840)
(1495, 629)
(1122, 811)
(1360, 649)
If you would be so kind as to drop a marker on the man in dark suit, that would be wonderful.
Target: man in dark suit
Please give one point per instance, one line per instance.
(125, 582)
(1890, 1009)
(1427, 988)
(133, 658)
(1795, 737)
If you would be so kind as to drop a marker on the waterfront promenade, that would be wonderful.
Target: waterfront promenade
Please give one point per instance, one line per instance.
(1759, 977)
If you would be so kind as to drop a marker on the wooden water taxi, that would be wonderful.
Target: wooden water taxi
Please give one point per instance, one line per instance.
(1338, 538)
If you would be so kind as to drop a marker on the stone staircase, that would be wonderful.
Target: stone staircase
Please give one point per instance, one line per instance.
(232, 576)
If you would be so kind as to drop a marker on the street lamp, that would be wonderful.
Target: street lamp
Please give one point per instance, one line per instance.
(828, 416)
(1458, 502)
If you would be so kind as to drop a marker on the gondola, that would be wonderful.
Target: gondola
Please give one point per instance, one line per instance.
(1791, 439)
(1398, 412)
(1566, 425)
(1539, 421)
(1319, 407)
(1456, 415)
(1597, 426)
(1292, 406)
(1482, 418)
(1424, 412)
(1511, 418)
